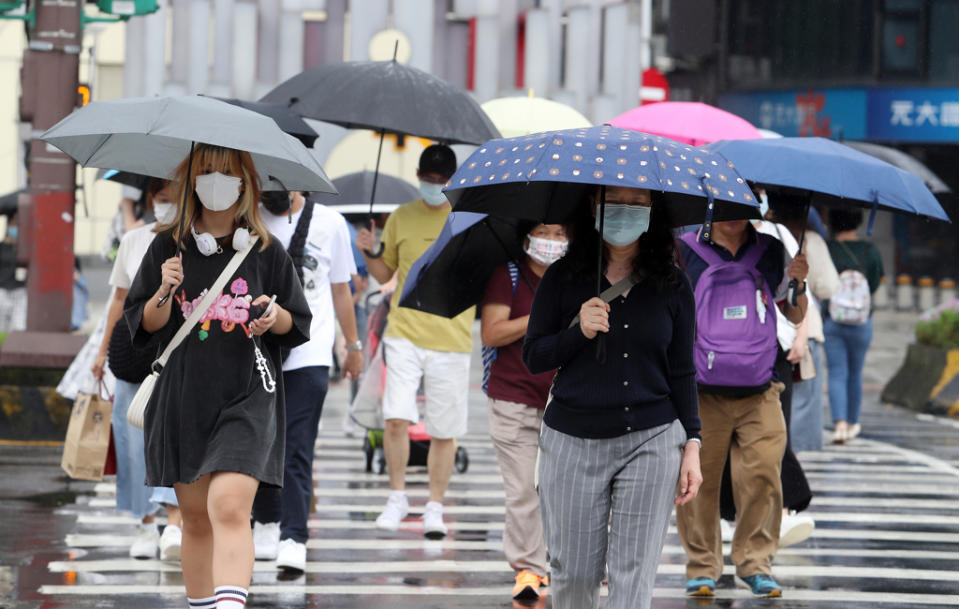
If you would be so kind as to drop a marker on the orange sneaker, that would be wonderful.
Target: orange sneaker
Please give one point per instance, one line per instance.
(527, 585)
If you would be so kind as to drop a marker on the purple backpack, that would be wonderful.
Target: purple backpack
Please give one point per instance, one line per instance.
(735, 319)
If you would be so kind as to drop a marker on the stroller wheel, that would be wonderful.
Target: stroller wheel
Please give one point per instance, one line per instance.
(379, 461)
(462, 460)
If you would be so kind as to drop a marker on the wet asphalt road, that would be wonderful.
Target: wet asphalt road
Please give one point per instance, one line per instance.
(886, 510)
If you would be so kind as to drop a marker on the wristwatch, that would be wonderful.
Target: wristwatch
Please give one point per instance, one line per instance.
(357, 346)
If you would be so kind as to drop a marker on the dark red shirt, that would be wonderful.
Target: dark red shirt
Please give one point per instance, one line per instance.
(509, 378)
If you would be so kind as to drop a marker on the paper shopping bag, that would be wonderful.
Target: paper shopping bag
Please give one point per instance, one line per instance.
(87, 443)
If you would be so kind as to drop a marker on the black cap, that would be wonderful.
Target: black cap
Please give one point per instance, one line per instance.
(438, 158)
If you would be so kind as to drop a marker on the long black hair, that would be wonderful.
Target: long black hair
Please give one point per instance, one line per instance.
(657, 256)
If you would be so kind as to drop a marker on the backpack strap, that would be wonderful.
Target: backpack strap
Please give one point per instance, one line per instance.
(710, 256)
(756, 251)
(297, 247)
(513, 274)
(859, 265)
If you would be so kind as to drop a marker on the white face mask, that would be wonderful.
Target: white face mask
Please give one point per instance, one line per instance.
(546, 251)
(217, 191)
(165, 212)
(433, 194)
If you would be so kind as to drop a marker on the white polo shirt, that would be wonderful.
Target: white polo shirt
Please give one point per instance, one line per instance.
(327, 259)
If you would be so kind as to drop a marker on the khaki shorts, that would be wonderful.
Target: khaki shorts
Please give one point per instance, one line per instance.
(445, 376)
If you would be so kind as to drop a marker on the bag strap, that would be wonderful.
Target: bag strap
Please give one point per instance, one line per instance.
(204, 305)
(859, 265)
(610, 293)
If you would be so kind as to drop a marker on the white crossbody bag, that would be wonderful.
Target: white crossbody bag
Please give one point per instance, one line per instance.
(139, 404)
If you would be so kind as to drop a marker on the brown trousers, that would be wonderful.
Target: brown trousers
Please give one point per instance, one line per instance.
(753, 430)
(515, 430)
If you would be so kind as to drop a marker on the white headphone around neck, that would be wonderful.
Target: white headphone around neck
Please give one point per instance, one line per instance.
(207, 244)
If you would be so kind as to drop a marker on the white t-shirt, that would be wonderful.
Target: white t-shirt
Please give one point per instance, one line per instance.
(133, 246)
(328, 259)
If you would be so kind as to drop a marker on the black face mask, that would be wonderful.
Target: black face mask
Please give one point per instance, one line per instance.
(277, 202)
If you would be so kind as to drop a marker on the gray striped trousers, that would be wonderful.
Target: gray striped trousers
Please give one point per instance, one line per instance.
(607, 502)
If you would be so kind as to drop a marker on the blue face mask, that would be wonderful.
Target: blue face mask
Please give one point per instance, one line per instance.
(13, 232)
(763, 205)
(624, 224)
(433, 194)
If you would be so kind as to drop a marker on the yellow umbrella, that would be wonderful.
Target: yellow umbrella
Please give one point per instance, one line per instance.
(515, 116)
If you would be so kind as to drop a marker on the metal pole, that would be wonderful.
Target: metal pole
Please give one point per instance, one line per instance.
(49, 85)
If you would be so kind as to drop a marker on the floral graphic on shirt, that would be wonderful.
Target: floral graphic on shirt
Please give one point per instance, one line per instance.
(229, 309)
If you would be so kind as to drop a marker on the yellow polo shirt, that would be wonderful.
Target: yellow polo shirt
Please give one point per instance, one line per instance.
(410, 230)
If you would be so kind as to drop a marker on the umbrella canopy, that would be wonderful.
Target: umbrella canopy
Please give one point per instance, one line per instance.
(287, 120)
(126, 178)
(451, 276)
(833, 174)
(545, 176)
(906, 162)
(386, 96)
(355, 188)
(153, 135)
(687, 122)
(516, 116)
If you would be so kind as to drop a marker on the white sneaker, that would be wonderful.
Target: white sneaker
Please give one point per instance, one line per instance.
(266, 540)
(726, 530)
(291, 555)
(397, 508)
(146, 543)
(433, 527)
(854, 430)
(795, 528)
(170, 542)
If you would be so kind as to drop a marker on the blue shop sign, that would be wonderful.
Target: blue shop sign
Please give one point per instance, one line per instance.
(914, 115)
(829, 113)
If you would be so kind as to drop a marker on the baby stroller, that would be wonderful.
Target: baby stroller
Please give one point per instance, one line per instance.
(366, 409)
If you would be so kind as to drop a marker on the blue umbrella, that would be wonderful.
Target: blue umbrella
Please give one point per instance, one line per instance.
(832, 174)
(451, 275)
(544, 176)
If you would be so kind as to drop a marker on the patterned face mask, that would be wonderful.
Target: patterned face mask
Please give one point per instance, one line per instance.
(546, 251)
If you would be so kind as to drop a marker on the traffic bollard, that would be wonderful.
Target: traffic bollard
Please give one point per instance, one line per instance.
(927, 293)
(905, 298)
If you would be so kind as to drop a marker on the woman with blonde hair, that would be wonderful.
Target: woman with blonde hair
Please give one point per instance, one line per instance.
(214, 424)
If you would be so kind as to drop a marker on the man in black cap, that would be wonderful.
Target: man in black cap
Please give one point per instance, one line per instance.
(419, 346)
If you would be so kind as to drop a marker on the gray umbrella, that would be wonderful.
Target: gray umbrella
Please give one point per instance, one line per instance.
(906, 162)
(152, 135)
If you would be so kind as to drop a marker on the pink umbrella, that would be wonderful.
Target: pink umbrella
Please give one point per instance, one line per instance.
(688, 122)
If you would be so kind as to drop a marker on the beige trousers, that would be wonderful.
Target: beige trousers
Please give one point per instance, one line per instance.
(753, 430)
(515, 431)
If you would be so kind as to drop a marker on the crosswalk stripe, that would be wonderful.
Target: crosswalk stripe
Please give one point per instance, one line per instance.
(501, 592)
(783, 572)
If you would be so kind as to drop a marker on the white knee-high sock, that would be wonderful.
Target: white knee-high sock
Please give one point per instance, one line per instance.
(230, 597)
(202, 603)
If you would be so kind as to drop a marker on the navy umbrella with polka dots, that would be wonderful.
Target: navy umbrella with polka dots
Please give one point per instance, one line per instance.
(546, 177)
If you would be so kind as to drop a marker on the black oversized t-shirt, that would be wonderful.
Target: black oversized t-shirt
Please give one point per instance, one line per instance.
(211, 410)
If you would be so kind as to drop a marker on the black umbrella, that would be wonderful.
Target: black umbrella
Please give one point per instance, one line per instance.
(451, 276)
(136, 180)
(286, 119)
(356, 187)
(387, 97)
(9, 202)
